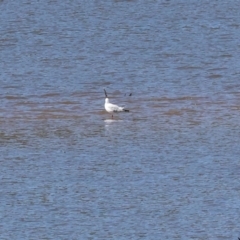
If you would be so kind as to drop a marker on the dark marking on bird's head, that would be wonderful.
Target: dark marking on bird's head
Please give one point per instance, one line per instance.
(105, 93)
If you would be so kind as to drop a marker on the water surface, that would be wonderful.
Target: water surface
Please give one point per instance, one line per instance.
(169, 169)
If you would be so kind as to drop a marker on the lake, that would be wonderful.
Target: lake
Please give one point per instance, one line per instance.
(168, 169)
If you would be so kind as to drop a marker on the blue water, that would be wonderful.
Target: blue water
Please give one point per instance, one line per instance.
(168, 169)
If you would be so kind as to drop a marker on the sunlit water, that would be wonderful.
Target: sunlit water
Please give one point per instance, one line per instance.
(168, 169)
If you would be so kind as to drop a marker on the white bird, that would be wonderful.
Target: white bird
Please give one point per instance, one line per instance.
(111, 108)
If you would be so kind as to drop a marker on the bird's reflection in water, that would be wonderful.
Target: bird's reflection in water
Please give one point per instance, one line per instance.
(111, 121)
(112, 124)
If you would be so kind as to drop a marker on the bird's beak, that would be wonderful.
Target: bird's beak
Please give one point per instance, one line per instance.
(105, 93)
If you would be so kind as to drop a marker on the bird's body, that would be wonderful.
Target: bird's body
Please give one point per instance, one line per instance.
(112, 108)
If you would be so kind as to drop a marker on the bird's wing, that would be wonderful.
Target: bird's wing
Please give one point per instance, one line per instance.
(115, 108)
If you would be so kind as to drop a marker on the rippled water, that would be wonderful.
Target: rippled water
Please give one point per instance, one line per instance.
(167, 170)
